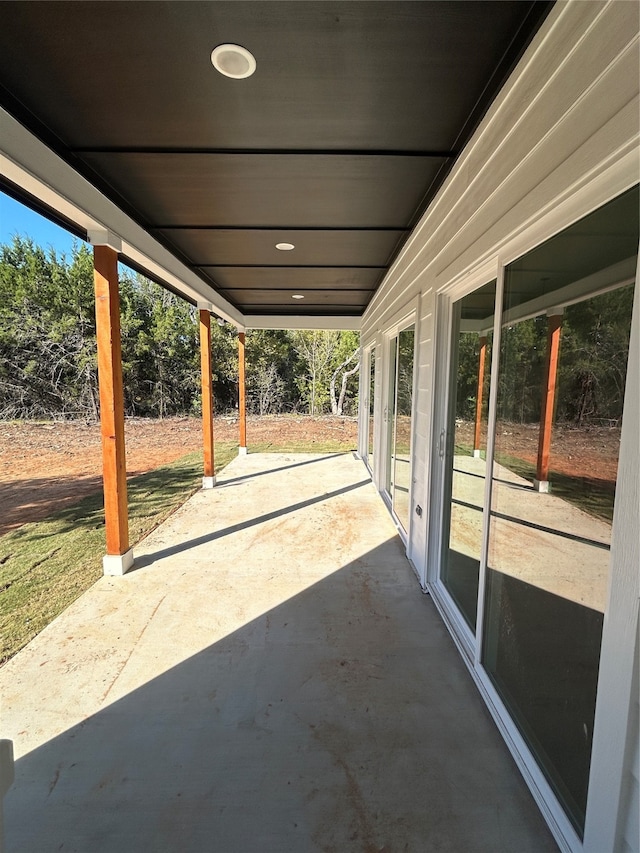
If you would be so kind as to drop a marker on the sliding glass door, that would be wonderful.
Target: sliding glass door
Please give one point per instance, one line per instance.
(372, 392)
(524, 558)
(399, 414)
(465, 448)
(558, 415)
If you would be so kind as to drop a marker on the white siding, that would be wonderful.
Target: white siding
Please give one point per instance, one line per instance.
(562, 114)
(560, 140)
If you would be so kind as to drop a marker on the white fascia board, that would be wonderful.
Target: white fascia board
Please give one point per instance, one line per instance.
(29, 164)
(342, 324)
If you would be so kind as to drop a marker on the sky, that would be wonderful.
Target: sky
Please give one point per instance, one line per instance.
(15, 218)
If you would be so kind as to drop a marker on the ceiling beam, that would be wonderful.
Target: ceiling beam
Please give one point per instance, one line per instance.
(32, 167)
(258, 152)
(293, 322)
(290, 266)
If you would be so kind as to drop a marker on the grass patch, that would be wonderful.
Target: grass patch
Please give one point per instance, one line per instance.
(46, 565)
(591, 495)
(308, 446)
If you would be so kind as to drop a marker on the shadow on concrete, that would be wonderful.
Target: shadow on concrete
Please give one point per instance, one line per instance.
(340, 720)
(148, 559)
(543, 528)
(255, 474)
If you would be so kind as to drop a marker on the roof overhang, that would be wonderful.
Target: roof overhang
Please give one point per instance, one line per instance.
(114, 119)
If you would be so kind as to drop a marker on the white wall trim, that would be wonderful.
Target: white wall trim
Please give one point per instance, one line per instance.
(433, 220)
(404, 317)
(104, 237)
(609, 181)
(440, 379)
(31, 165)
(548, 153)
(620, 629)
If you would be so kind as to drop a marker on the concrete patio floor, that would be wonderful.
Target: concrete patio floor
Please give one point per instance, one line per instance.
(269, 678)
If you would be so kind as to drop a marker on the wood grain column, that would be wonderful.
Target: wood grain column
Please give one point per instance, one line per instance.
(481, 360)
(541, 481)
(105, 261)
(242, 404)
(209, 479)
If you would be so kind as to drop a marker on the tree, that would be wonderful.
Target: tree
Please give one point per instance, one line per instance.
(47, 332)
(48, 361)
(594, 355)
(338, 405)
(272, 369)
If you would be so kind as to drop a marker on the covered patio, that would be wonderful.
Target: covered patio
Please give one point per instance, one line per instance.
(269, 677)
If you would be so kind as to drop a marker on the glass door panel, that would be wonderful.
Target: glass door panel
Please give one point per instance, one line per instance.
(465, 448)
(401, 461)
(390, 416)
(372, 390)
(563, 356)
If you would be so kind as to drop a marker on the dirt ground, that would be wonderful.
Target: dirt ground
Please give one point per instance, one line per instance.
(46, 466)
(590, 452)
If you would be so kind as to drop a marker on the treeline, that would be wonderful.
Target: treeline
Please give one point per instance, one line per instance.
(594, 349)
(48, 366)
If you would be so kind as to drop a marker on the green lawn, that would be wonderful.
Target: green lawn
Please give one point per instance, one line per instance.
(303, 447)
(588, 494)
(46, 565)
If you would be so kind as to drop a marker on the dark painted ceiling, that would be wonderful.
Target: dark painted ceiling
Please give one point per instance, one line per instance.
(336, 144)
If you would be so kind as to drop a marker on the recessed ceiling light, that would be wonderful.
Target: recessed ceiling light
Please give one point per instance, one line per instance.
(297, 296)
(285, 247)
(233, 61)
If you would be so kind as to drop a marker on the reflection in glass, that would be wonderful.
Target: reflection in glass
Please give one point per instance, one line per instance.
(390, 414)
(372, 389)
(466, 444)
(402, 432)
(563, 355)
(401, 448)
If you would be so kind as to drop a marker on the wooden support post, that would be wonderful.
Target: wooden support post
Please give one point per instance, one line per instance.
(208, 479)
(541, 482)
(119, 556)
(481, 360)
(242, 405)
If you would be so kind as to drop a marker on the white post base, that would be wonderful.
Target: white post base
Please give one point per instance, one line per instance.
(117, 564)
(476, 454)
(208, 482)
(242, 451)
(541, 486)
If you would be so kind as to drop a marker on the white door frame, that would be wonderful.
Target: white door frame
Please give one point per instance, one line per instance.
(407, 316)
(615, 685)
